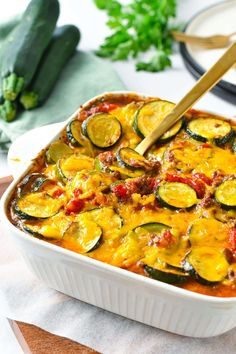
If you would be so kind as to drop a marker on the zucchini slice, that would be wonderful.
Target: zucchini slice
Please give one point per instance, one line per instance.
(176, 195)
(30, 183)
(170, 252)
(50, 228)
(154, 227)
(103, 129)
(167, 274)
(127, 172)
(225, 194)
(69, 166)
(74, 134)
(57, 151)
(234, 144)
(84, 234)
(210, 129)
(208, 231)
(109, 221)
(129, 158)
(209, 264)
(150, 115)
(37, 205)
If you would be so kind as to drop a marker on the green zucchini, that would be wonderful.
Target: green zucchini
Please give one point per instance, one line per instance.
(154, 227)
(234, 145)
(30, 229)
(8, 110)
(209, 232)
(63, 44)
(50, 228)
(166, 248)
(37, 206)
(106, 218)
(124, 171)
(103, 129)
(167, 274)
(31, 183)
(129, 158)
(176, 195)
(25, 46)
(74, 134)
(57, 151)
(85, 235)
(210, 129)
(207, 265)
(225, 194)
(69, 166)
(127, 172)
(150, 115)
(6, 29)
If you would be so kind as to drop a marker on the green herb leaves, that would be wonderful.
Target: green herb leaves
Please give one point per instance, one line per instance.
(136, 28)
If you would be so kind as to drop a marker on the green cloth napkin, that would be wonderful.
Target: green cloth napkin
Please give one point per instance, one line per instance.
(83, 77)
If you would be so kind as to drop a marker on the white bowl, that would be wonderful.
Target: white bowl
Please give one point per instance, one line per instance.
(117, 290)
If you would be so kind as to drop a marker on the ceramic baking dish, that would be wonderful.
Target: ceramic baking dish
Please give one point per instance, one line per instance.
(125, 293)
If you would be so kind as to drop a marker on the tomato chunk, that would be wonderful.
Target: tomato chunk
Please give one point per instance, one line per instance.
(120, 191)
(204, 178)
(74, 206)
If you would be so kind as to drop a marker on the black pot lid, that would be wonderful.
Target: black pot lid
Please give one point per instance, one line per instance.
(216, 19)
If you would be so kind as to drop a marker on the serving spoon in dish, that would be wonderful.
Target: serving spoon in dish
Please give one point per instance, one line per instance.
(203, 85)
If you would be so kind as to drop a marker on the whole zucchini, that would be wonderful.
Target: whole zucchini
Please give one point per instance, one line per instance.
(60, 49)
(26, 44)
(8, 110)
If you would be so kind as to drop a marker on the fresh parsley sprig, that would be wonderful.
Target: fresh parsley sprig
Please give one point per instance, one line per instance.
(140, 26)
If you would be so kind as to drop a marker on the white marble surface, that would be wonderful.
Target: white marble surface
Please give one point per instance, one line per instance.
(171, 84)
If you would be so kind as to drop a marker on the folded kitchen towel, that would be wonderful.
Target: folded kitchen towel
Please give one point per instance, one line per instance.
(83, 77)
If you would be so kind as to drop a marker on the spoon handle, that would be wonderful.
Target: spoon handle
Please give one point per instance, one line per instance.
(204, 84)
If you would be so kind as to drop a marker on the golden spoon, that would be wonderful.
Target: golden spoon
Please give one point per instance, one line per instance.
(209, 42)
(203, 85)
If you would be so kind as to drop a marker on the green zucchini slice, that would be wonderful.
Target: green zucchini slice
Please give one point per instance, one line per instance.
(37, 205)
(210, 129)
(150, 115)
(103, 129)
(167, 274)
(208, 231)
(74, 134)
(50, 228)
(176, 195)
(69, 166)
(234, 144)
(209, 264)
(31, 183)
(57, 151)
(171, 253)
(154, 227)
(84, 234)
(109, 221)
(129, 158)
(225, 194)
(127, 172)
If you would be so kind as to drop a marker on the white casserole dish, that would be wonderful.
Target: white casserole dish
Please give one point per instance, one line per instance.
(125, 293)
